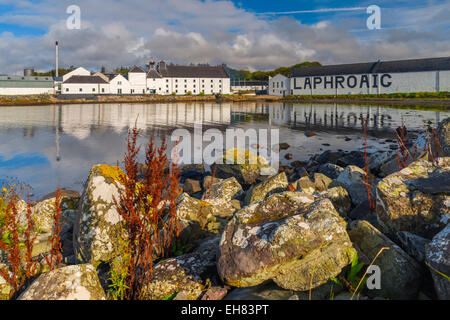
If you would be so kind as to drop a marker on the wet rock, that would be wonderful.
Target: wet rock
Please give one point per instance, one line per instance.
(97, 227)
(413, 244)
(247, 167)
(288, 156)
(400, 274)
(340, 199)
(353, 179)
(191, 186)
(220, 196)
(329, 157)
(192, 171)
(274, 245)
(404, 205)
(274, 184)
(188, 273)
(78, 282)
(364, 212)
(283, 146)
(438, 260)
(353, 158)
(332, 171)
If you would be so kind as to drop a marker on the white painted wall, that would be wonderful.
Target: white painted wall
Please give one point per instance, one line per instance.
(157, 84)
(85, 88)
(138, 82)
(80, 71)
(25, 91)
(119, 82)
(182, 86)
(279, 85)
(430, 81)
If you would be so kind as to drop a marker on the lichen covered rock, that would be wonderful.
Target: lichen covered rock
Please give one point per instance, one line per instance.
(400, 274)
(78, 282)
(331, 170)
(98, 225)
(186, 274)
(276, 183)
(192, 209)
(318, 183)
(438, 259)
(285, 246)
(340, 199)
(247, 167)
(415, 199)
(444, 137)
(220, 196)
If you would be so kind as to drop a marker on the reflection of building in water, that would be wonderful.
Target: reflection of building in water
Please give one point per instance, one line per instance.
(334, 116)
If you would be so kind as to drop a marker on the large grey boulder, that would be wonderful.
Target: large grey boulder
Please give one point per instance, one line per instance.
(415, 199)
(438, 260)
(400, 274)
(285, 239)
(98, 225)
(193, 209)
(332, 171)
(276, 183)
(78, 282)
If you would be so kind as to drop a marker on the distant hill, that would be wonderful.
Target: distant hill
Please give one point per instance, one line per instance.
(264, 75)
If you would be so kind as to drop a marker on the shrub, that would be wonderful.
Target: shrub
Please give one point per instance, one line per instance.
(189, 93)
(148, 210)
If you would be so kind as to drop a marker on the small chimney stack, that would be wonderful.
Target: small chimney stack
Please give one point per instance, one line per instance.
(57, 62)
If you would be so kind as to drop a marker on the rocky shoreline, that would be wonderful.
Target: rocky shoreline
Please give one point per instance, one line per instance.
(299, 233)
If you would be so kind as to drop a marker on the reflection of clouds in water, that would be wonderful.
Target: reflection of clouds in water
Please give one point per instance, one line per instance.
(92, 134)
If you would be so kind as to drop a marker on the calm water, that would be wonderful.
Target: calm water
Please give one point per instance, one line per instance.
(49, 145)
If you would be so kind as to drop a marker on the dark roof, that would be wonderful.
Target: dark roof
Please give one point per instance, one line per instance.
(193, 72)
(413, 65)
(85, 79)
(152, 73)
(136, 70)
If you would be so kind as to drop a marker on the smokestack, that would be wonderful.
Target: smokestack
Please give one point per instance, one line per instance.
(57, 62)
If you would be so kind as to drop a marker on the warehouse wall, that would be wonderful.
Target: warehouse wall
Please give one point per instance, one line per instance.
(25, 91)
(372, 83)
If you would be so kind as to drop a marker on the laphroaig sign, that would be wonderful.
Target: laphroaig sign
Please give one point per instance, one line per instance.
(341, 82)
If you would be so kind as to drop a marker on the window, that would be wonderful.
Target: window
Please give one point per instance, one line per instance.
(103, 90)
(220, 80)
(176, 80)
(167, 80)
(67, 89)
(81, 89)
(185, 80)
(93, 89)
(185, 86)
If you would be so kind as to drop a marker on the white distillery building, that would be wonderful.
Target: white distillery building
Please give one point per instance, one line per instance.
(26, 85)
(402, 76)
(279, 86)
(160, 79)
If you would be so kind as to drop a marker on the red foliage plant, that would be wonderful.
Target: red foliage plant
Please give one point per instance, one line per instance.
(404, 154)
(13, 237)
(368, 179)
(148, 209)
(55, 258)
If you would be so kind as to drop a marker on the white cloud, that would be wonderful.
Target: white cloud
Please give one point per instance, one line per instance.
(125, 33)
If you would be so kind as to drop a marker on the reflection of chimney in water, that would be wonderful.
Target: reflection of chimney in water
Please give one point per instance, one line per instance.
(58, 120)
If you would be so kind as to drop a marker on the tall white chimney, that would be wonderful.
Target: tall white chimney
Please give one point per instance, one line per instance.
(57, 62)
